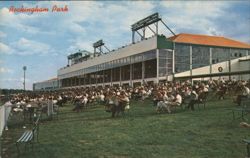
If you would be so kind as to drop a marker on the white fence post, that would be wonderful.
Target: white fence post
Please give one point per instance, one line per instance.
(2, 119)
(4, 115)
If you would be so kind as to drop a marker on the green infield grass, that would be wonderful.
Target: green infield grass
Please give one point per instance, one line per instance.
(139, 133)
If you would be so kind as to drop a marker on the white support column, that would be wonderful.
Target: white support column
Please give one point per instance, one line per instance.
(191, 63)
(111, 77)
(102, 78)
(156, 28)
(120, 76)
(143, 71)
(157, 64)
(229, 63)
(59, 83)
(96, 79)
(210, 61)
(173, 61)
(133, 36)
(130, 73)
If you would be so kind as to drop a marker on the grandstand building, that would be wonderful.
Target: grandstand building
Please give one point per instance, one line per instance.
(157, 59)
(47, 85)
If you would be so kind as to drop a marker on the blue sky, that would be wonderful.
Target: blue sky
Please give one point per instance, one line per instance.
(41, 41)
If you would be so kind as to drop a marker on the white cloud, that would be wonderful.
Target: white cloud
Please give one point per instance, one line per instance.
(196, 8)
(76, 28)
(5, 49)
(5, 70)
(195, 16)
(113, 19)
(78, 11)
(29, 47)
(25, 46)
(18, 21)
(105, 19)
(79, 44)
(108, 22)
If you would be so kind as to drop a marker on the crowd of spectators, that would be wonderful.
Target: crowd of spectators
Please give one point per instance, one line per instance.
(165, 96)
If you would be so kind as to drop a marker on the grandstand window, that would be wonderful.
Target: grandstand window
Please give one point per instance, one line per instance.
(182, 57)
(107, 75)
(77, 81)
(162, 72)
(221, 54)
(82, 80)
(128, 60)
(99, 76)
(137, 70)
(72, 81)
(239, 52)
(165, 62)
(87, 79)
(92, 78)
(116, 74)
(125, 72)
(162, 62)
(149, 55)
(63, 83)
(200, 56)
(150, 68)
(137, 58)
(114, 63)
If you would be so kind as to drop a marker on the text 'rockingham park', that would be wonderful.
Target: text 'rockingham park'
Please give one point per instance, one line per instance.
(37, 9)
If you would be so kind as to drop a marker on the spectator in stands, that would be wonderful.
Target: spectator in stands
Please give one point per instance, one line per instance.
(176, 102)
(222, 91)
(245, 94)
(193, 100)
(163, 103)
(157, 98)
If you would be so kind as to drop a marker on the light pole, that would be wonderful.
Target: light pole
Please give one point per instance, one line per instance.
(24, 69)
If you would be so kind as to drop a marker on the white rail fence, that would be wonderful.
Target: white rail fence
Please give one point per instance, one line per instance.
(4, 115)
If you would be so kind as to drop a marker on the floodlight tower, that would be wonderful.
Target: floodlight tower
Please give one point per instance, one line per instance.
(145, 23)
(98, 47)
(24, 69)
